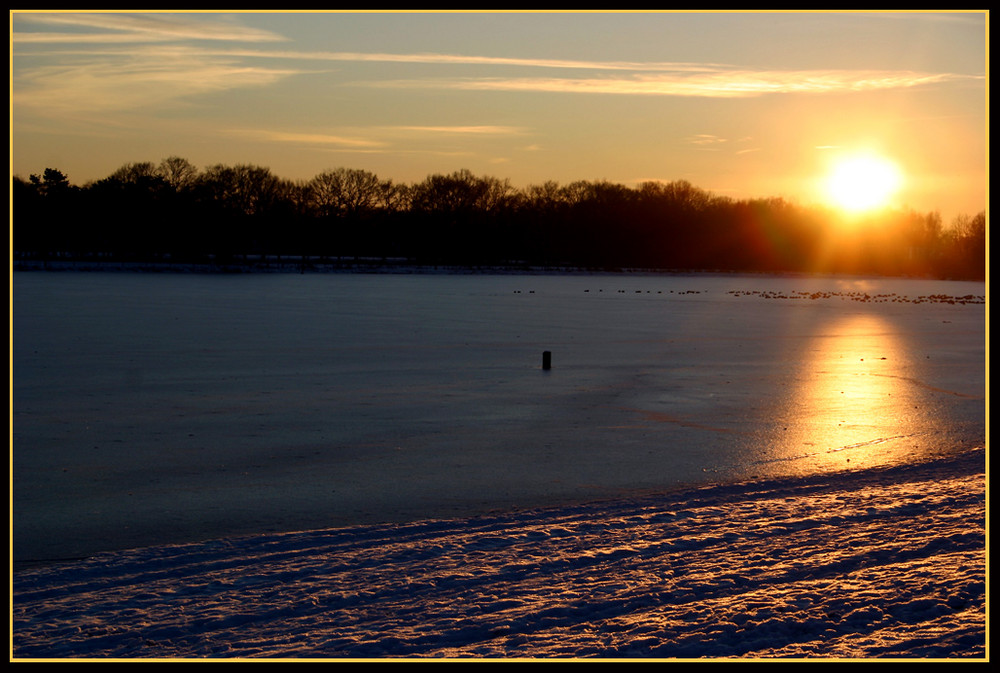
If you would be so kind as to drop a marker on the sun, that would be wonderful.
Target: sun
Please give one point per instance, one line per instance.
(862, 182)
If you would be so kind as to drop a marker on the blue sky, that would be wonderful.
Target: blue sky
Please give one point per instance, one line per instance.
(742, 104)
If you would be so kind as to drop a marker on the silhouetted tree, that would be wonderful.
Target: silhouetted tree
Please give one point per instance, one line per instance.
(355, 204)
(129, 216)
(346, 192)
(964, 247)
(179, 173)
(242, 189)
(50, 215)
(26, 204)
(459, 213)
(144, 210)
(52, 183)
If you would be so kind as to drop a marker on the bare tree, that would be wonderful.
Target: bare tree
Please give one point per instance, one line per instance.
(178, 172)
(349, 192)
(244, 188)
(135, 173)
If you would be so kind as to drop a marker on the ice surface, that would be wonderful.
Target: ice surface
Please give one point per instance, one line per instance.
(163, 408)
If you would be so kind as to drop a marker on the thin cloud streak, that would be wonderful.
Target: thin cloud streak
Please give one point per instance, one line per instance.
(367, 143)
(89, 38)
(359, 57)
(308, 138)
(712, 79)
(706, 139)
(458, 59)
(737, 84)
(473, 130)
(53, 90)
(139, 27)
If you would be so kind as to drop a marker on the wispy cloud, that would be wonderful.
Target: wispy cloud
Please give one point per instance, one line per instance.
(172, 58)
(426, 58)
(96, 75)
(151, 27)
(140, 82)
(369, 139)
(373, 139)
(463, 130)
(706, 139)
(663, 78)
(718, 84)
(712, 143)
(315, 139)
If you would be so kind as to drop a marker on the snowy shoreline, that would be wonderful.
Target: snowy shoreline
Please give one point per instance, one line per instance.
(882, 562)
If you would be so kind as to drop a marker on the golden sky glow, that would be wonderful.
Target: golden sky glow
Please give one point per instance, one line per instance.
(741, 104)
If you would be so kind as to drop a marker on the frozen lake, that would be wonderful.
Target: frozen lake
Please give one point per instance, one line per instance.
(159, 408)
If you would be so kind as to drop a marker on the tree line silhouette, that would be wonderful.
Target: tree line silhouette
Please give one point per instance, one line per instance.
(234, 214)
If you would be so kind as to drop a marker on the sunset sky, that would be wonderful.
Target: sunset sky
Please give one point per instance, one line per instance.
(741, 104)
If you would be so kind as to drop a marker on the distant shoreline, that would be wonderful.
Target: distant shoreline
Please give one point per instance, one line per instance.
(404, 267)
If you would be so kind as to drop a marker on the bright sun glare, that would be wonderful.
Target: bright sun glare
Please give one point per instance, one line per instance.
(863, 182)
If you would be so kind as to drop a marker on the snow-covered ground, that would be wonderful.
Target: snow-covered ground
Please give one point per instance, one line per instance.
(875, 563)
(769, 466)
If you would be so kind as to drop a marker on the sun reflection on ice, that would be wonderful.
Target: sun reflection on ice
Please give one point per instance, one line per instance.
(852, 403)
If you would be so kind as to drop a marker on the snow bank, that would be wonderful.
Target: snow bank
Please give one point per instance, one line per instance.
(884, 562)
